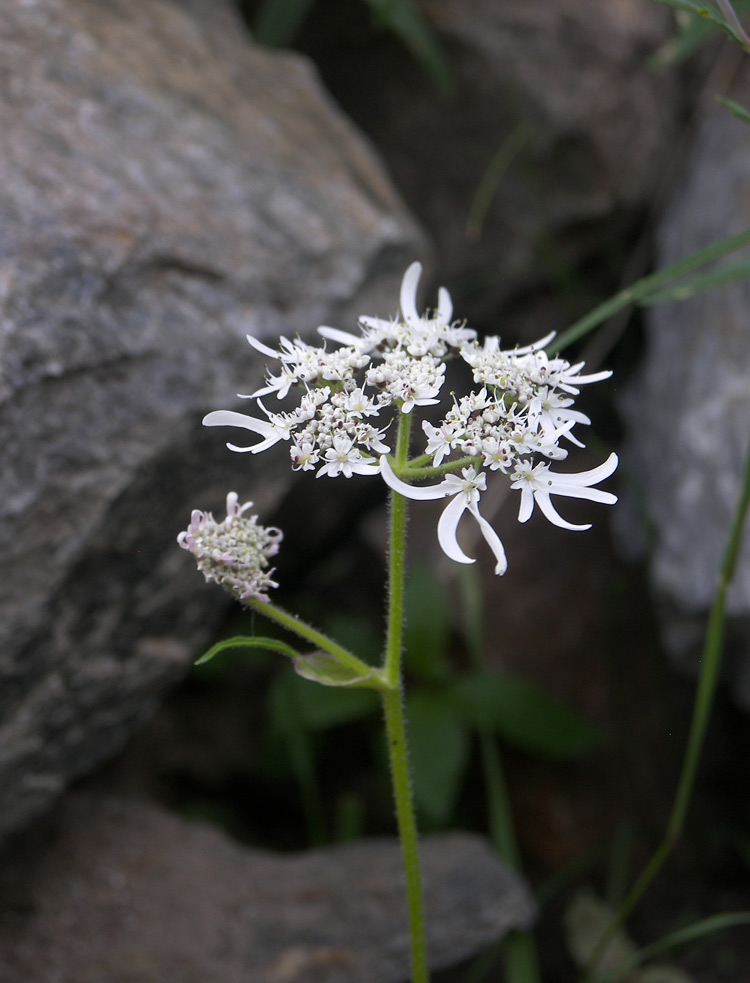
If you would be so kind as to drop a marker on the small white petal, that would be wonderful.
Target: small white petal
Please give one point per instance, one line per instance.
(527, 503)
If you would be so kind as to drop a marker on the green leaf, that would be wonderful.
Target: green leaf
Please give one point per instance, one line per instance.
(278, 21)
(406, 21)
(287, 725)
(524, 715)
(438, 746)
(684, 44)
(356, 634)
(321, 708)
(710, 13)
(737, 110)
(319, 667)
(248, 642)
(428, 626)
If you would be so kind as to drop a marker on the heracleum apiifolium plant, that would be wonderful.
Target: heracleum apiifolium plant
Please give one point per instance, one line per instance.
(352, 413)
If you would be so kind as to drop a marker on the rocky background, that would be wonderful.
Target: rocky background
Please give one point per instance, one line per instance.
(166, 186)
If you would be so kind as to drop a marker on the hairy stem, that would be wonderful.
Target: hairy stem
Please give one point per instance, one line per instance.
(395, 726)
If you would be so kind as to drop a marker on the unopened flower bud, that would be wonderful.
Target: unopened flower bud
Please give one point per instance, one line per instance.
(233, 553)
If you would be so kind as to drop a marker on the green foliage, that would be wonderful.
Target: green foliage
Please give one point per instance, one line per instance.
(523, 715)
(666, 283)
(248, 642)
(712, 14)
(698, 23)
(278, 22)
(439, 750)
(355, 633)
(428, 627)
(322, 708)
(320, 667)
(447, 708)
(406, 21)
(737, 110)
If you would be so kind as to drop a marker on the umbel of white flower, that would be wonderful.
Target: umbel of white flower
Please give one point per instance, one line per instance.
(233, 553)
(519, 415)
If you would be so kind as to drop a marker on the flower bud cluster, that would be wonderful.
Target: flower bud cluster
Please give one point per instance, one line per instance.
(233, 553)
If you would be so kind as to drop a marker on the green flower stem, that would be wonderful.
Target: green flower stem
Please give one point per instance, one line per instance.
(292, 623)
(397, 563)
(393, 707)
(709, 675)
(413, 472)
(395, 729)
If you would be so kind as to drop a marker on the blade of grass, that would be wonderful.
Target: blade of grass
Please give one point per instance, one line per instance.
(682, 936)
(518, 951)
(496, 170)
(709, 674)
(406, 21)
(697, 284)
(639, 291)
(737, 110)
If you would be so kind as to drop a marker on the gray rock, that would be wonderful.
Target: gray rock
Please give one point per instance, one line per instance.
(555, 108)
(688, 411)
(125, 893)
(164, 188)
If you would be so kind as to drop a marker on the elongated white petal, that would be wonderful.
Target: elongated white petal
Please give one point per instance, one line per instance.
(492, 539)
(375, 323)
(229, 418)
(447, 527)
(417, 492)
(408, 297)
(570, 375)
(342, 337)
(260, 347)
(445, 305)
(591, 477)
(536, 346)
(544, 503)
(581, 491)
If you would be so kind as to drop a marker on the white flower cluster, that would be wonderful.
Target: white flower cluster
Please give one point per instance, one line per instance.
(233, 553)
(513, 422)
